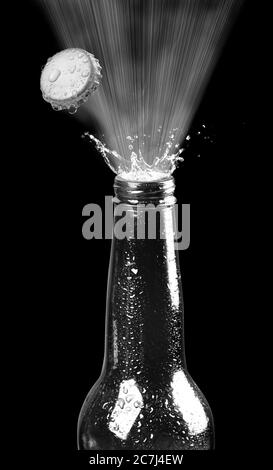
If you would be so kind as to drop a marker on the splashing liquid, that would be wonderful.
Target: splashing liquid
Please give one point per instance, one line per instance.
(134, 167)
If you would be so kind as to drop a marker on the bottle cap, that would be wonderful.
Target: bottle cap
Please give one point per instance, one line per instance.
(69, 77)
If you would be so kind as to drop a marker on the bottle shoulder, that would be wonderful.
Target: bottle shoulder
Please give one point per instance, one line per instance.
(133, 413)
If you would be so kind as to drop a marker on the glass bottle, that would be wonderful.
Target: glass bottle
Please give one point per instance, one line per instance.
(145, 398)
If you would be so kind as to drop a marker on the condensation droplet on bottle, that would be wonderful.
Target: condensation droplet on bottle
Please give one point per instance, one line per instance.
(54, 75)
(121, 403)
(125, 389)
(105, 405)
(129, 398)
(130, 147)
(91, 443)
(116, 427)
(72, 68)
(137, 404)
(73, 109)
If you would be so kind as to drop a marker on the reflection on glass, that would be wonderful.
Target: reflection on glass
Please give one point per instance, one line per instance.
(126, 409)
(188, 403)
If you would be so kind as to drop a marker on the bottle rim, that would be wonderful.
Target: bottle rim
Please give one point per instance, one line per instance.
(136, 191)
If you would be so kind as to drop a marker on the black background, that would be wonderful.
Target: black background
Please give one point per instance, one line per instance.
(67, 275)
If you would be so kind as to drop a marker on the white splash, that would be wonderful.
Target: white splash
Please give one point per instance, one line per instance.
(134, 167)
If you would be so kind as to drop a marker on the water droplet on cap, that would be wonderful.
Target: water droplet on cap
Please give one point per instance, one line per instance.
(85, 73)
(80, 55)
(54, 75)
(73, 109)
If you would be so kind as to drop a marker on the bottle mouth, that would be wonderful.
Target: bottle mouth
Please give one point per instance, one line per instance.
(145, 191)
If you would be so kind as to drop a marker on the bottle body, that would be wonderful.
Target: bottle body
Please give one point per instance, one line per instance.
(123, 414)
(145, 398)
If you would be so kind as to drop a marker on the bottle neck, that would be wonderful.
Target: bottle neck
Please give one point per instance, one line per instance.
(144, 331)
